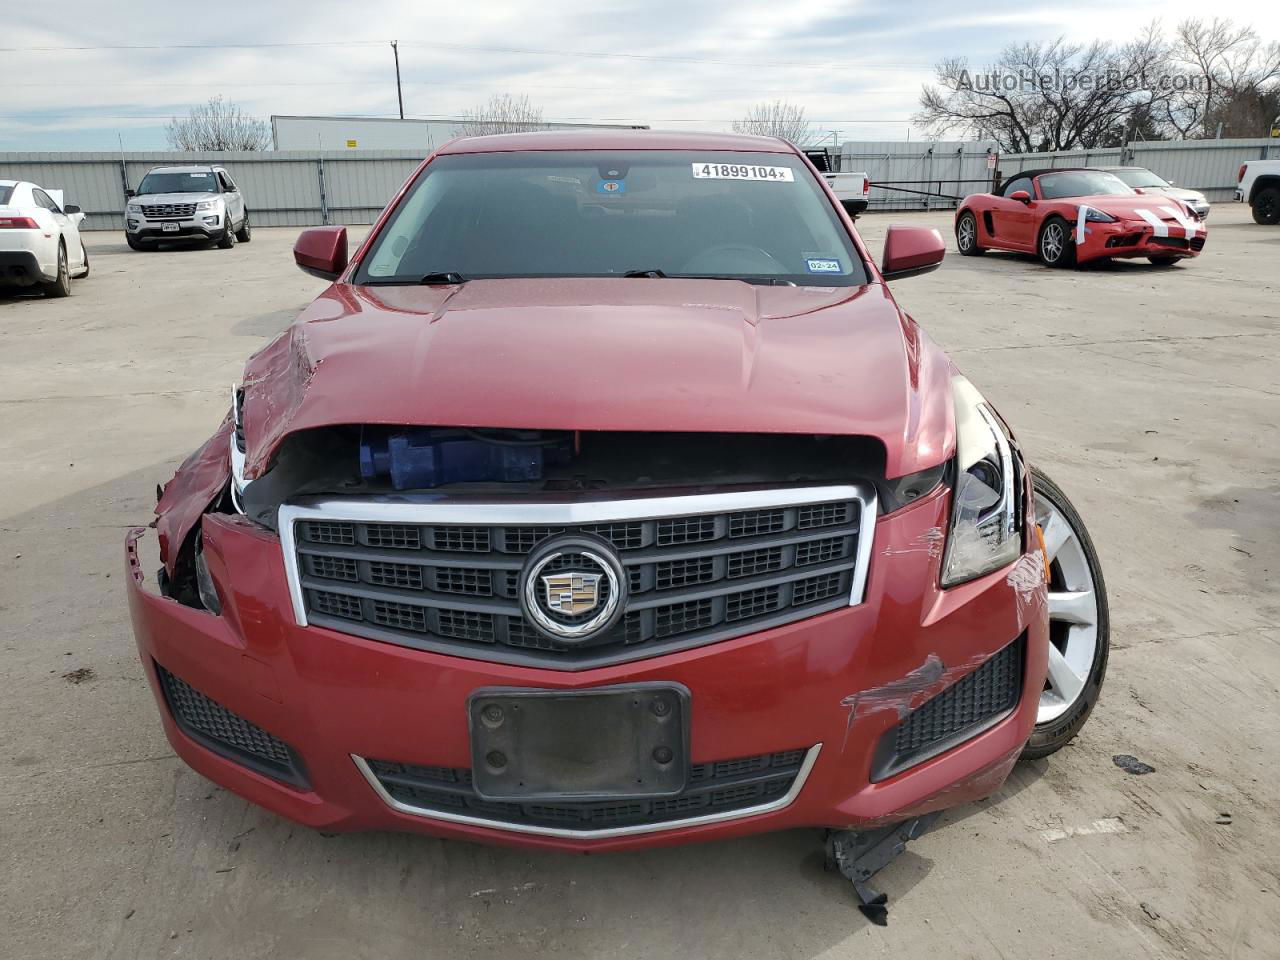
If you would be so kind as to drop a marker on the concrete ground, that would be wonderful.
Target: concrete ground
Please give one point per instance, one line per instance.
(1149, 394)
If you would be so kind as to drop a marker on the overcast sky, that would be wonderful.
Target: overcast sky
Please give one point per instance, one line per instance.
(856, 67)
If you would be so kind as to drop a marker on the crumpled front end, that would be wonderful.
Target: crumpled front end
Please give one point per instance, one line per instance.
(1168, 229)
(910, 700)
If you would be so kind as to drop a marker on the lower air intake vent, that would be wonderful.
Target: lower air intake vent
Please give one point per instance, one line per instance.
(721, 787)
(970, 705)
(215, 727)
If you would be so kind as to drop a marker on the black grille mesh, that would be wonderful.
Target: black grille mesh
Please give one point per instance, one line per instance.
(226, 733)
(691, 578)
(961, 710)
(722, 786)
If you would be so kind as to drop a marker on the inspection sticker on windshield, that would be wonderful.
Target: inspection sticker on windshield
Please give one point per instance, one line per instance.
(741, 171)
(823, 265)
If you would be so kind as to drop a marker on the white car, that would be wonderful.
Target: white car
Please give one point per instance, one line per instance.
(39, 239)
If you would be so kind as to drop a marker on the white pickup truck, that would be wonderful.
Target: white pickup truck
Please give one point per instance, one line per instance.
(853, 190)
(1259, 186)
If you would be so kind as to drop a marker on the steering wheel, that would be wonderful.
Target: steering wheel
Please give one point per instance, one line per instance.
(772, 264)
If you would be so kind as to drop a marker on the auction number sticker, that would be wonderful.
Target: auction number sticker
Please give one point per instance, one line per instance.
(741, 171)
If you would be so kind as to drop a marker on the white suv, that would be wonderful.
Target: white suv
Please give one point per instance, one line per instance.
(186, 203)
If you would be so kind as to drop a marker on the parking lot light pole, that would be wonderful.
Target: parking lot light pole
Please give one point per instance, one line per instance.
(395, 51)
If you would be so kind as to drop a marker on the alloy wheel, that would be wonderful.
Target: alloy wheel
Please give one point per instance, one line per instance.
(964, 233)
(1051, 242)
(1073, 614)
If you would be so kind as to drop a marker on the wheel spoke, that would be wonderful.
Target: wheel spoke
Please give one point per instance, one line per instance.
(1064, 681)
(1074, 606)
(1056, 534)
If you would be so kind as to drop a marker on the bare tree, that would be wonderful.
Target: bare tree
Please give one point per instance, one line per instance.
(502, 113)
(1239, 77)
(1049, 96)
(1060, 96)
(776, 119)
(217, 125)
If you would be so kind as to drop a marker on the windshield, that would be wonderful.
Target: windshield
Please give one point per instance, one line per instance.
(759, 217)
(1082, 183)
(201, 181)
(1139, 177)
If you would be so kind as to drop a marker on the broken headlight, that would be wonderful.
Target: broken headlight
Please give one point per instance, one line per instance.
(985, 531)
(237, 448)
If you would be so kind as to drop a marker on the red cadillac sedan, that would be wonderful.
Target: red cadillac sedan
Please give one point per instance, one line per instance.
(606, 498)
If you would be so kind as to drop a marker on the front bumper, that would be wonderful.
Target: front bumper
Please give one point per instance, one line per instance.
(197, 228)
(830, 685)
(1138, 238)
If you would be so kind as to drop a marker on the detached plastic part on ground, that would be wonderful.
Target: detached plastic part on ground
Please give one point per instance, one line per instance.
(860, 855)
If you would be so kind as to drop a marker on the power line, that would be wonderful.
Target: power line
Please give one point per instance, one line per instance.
(219, 84)
(524, 51)
(392, 116)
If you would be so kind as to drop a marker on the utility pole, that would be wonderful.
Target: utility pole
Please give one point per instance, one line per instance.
(395, 50)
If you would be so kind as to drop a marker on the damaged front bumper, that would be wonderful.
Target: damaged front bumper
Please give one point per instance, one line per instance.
(1125, 239)
(806, 724)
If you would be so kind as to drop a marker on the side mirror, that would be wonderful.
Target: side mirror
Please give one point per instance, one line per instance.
(70, 208)
(131, 193)
(1021, 196)
(1138, 190)
(321, 251)
(911, 251)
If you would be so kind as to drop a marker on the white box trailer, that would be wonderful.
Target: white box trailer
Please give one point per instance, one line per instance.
(383, 133)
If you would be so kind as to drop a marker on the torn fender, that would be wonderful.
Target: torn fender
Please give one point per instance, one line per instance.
(194, 486)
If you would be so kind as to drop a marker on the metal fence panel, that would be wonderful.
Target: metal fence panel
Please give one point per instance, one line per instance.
(302, 188)
(921, 175)
(359, 187)
(281, 188)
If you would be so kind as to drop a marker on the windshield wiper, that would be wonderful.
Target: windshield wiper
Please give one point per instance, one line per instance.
(758, 281)
(443, 277)
(659, 275)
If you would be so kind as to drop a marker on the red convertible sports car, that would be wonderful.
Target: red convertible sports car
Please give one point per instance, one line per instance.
(1068, 217)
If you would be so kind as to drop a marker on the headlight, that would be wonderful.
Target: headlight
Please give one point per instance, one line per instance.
(1097, 216)
(985, 531)
(133, 208)
(207, 205)
(237, 448)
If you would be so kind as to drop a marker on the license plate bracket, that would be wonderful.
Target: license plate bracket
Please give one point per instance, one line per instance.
(168, 228)
(606, 743)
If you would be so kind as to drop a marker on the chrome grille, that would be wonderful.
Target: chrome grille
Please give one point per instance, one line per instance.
(161, 210)
(700, 568)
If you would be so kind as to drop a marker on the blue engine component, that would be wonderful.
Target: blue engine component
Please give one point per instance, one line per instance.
(419, 458)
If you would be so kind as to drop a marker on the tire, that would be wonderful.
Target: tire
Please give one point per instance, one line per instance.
(61, 287)
(1074, 569)
(135, 244)
(967, 236)
(244, 234)
(1266, 206)
(1163, 261)
(1055, 245)
(228, 238)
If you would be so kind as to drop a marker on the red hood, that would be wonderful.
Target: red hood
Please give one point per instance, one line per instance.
(614, 354)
